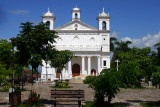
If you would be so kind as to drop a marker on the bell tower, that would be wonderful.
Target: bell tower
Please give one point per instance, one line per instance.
(49, 18)
(76, 14)
(104, 26)
(103, 21)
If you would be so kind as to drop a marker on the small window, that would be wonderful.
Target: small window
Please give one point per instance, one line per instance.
(104, 63)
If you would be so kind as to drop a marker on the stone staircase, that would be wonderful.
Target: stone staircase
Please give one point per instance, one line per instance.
(77, 79)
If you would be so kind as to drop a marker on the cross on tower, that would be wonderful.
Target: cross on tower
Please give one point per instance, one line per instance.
(117, 63)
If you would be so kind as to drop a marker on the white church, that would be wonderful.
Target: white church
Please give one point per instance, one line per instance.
(91, 46)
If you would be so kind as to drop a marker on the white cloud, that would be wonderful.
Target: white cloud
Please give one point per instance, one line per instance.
(146, 41)
(126, 39)
(22, 12)
(115, 34)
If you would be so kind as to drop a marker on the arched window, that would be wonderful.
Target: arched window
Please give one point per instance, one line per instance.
(93, 72)
(103, 25)
(92, 41)
(48, 24)
(76, 40)
(76, 16)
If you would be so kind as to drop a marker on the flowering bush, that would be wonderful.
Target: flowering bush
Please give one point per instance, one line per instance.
(33, 98)
(61, 85)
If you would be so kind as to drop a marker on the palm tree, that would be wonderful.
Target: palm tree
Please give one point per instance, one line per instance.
(157, 58)
(112, 44)
(121, 46)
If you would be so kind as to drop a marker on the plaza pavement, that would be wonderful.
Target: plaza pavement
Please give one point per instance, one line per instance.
(128, 97)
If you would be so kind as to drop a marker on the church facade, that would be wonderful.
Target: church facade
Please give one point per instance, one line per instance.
(91, 46)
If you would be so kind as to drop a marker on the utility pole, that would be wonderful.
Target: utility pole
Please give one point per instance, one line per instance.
(117, 63)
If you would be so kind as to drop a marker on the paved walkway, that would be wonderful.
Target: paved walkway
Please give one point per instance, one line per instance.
(129, 97)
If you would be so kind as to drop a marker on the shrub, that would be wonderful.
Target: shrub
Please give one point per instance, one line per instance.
(89, 80)
(129, 73)
(156, 79)
(151, 104)
(61, 85)
(33, 98)
(106, 84)
(5, 88)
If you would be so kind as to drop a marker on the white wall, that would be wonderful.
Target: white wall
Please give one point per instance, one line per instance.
(51, 22)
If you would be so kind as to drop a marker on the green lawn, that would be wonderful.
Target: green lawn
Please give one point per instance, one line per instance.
(112, 105)
(61, 87)
(27, 105)
(151, 104)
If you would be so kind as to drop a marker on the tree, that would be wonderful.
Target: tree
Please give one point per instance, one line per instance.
(6, 53)
(136, 63)
(129, 73)
(32, 43)
(121, 46)
(156, 77)
(157, 58)
(6, 59)
(156, 61)
(106, 84)
(60, 58)
(5, 73)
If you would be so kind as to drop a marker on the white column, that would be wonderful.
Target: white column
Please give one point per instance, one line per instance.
(108, 62)
(53, 74)
(83, 64)
(98, 65)
(69, 69)
(89, 65)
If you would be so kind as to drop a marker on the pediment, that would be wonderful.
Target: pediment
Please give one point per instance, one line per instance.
(76, 25)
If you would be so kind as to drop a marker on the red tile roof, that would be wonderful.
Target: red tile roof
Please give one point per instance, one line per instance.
(26, 70)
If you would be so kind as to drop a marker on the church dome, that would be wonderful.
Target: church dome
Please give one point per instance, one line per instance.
(103, 14)
(48, 13)
(76, 8)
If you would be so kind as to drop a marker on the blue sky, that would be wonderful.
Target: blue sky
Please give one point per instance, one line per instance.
(135, 20)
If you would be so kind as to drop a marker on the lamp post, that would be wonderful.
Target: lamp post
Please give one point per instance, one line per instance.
(117, 63)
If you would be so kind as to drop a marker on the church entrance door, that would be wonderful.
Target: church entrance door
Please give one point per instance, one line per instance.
(93, 72)
(75, 70)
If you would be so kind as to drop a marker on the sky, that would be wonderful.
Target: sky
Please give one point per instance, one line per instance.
(135, 20)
